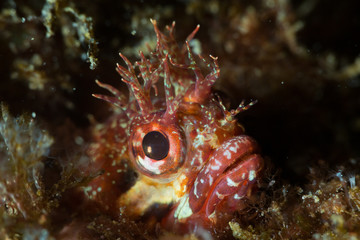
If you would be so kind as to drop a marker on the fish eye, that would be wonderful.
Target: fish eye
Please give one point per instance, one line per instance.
(155, 145)
(156, 149)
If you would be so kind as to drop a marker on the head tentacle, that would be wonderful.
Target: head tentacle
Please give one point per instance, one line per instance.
(119, 98)
(172, 103)
(129, 77)
(202, 89)
(167, 51)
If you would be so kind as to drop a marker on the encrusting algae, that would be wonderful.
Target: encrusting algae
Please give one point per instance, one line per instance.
(23, 145)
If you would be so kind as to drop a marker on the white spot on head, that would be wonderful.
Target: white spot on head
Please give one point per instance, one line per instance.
(219, 195)
(227, 154)
(137, 143)
(231, 183)
(252, 175)
(183, 210)
(216, 167)
(212, 217)
(210, 180)
(195, 188)
(178, 185)
(217, 162)
(87, 191)
(199, 140)
(236, 196)
(233, 149)
(202, 180)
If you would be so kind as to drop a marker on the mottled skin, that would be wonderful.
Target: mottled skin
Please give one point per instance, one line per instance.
(210, 166)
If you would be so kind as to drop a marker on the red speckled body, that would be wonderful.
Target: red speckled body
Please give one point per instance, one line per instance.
(207, 164)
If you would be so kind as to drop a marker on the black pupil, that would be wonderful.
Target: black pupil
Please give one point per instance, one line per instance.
(155, 145)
